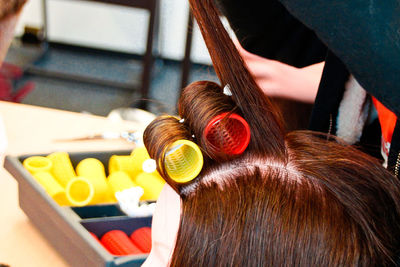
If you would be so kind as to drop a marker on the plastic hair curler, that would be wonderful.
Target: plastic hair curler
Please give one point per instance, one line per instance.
(62, 169)
(93, 170)
(80, 192)
(119, 181)
(118, 243)
(152, 184)
(131, 164)
(228, 134)
(122, 163)
(140, 153)
(140, 156)
(142, 239)
(183, 161)
(37, 164)
(52, 187)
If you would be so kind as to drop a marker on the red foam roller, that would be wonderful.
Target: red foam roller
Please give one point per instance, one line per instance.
(228, 133)
(118, 243)
(142, 239)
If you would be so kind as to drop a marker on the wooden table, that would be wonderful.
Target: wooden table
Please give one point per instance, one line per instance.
(32, 130)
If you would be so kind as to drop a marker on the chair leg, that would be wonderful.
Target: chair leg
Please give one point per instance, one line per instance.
(149, 55)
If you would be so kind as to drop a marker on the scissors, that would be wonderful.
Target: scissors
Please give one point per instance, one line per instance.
(130, 136)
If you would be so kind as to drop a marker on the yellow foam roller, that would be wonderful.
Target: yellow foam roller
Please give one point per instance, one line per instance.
(183, 161)
(152, 184)
(119, 181)
(139, 156)
(140, 152)
(143, 162)
(91, 167)
(93, 170)
(80, 192)
(37, 164)
(123, 163)
(52, 187)
(62, 168)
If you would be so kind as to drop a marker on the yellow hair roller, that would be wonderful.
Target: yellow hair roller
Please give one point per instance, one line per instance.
(183, 161)
(80, 192)
(93, 170)
(36, 164)
(62, 169)
(152, 184)
(139, 156)
(119, 181)
(52, 187)
(131, 164)
(122, 163)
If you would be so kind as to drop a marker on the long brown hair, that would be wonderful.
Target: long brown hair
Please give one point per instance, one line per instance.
(291, 199)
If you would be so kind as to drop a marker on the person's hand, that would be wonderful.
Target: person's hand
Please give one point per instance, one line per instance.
(282, 80)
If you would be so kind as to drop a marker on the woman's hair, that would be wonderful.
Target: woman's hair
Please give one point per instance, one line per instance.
(10, 7)
(290, 199)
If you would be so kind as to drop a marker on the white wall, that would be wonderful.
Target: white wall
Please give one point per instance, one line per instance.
(115, 27)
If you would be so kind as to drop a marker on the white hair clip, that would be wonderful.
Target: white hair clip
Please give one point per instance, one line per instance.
(227, 90)
(181, 120)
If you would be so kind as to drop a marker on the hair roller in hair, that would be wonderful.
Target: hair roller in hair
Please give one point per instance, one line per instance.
(227, 134)
(183, 161)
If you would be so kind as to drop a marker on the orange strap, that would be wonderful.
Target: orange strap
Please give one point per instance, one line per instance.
(387, 119)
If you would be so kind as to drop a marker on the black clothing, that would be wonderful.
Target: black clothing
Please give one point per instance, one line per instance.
(365, 37)
(325, 111)
(267, 29)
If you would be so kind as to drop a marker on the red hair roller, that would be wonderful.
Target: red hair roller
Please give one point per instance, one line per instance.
(118, 243)
(228, 133)
(142, 238)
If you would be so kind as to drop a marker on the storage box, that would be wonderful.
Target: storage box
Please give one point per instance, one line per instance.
(68, 228)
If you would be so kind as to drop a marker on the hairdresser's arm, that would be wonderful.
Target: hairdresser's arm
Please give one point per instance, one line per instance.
(282, 80)
(364, 35)
(164, 228)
